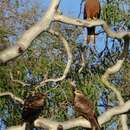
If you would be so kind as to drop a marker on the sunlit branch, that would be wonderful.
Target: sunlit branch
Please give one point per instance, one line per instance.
(52, 125)
(12, 96)
(18, 81)
(24, 42)
(105, 117)
(85, 23)
(82, 63)
(65, 43)
(19, 127)
(112, 70)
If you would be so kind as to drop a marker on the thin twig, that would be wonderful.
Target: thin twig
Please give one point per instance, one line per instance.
(12, 96)
(66, 45)
(18, 81)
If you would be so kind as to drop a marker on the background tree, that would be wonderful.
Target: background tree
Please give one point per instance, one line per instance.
(46, 58)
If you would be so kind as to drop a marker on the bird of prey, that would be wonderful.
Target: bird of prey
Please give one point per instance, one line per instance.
(92, 11)
(86, 109)
(33, 106)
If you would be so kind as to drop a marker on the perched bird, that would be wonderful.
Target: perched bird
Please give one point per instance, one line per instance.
(86, 109)
(33, 106)
(92, 11)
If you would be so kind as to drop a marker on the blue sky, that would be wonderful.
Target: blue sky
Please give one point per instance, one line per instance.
(68, 7)
(71, 8)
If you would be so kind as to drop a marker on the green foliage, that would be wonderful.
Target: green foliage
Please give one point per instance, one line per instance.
(48, 56)
(113, 12)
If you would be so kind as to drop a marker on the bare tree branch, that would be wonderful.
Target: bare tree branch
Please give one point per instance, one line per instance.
(24, 42)
(85, 23)
(66, 45)
(20, 127)
(104, 78)
(18, 81)
(12, 96)
(82, 63)
(112, 70)
(105, 117)
(51, 15)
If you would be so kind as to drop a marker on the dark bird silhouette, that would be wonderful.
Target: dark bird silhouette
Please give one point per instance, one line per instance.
(86, 109)
(92, 11)
(33, 106)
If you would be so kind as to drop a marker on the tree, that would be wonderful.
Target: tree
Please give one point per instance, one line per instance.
(46, 66)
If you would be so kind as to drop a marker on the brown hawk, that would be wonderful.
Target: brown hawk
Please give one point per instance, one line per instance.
(85, 108)
(33, 106)
(92, 10)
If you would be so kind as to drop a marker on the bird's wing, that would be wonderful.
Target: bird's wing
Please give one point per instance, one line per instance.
(84, 105)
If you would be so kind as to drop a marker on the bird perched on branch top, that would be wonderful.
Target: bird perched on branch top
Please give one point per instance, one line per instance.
(92, 11)
(33, 106)
(85, 107)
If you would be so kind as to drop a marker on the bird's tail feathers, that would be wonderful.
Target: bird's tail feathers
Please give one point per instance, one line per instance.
(95, 124)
